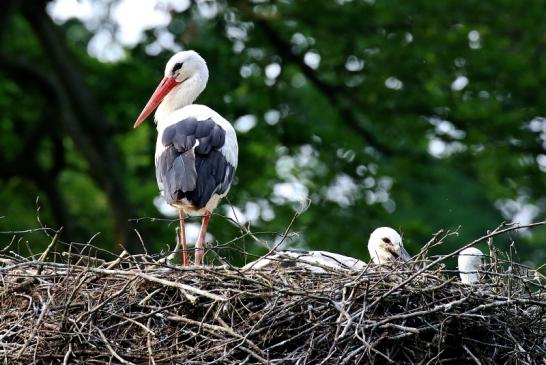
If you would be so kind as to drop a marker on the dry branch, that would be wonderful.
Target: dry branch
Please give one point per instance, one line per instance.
(136, 309)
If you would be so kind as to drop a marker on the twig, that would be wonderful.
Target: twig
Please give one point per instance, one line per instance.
(111, 349)
(478, 362)
(214, 328)
(181, 286)
(35, 328)
(287, 230)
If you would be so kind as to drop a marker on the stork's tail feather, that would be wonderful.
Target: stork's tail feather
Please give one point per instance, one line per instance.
(182, 177)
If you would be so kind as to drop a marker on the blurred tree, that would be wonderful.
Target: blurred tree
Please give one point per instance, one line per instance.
(421, 116)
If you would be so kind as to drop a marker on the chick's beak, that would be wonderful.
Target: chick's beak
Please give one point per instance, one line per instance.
(404, 255)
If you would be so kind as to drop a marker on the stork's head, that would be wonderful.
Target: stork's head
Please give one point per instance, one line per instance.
(385, 244)
(186, 76)
(470, 262)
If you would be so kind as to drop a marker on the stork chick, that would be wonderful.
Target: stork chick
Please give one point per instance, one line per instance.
(470, 261)
(385, 245)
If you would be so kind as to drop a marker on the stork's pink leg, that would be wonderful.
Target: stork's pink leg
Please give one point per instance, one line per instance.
(185, 257)
(200, 245)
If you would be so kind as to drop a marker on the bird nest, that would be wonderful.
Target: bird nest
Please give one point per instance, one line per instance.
(138, 309)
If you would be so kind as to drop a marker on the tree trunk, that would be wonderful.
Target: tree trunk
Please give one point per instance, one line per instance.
(86, 123)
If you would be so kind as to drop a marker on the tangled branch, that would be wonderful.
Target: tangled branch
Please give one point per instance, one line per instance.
(138, 309)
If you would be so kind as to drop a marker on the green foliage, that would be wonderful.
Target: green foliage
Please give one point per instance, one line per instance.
(363, 120)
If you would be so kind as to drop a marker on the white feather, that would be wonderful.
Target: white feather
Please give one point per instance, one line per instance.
(313, 261)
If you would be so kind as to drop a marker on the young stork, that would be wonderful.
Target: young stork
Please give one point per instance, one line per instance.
(470, 261)
(196, 150)
(385, 245)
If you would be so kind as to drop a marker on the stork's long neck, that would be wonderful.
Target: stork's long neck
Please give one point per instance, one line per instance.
(182, 95)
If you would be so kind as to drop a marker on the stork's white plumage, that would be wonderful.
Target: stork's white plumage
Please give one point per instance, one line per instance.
(196, 150)
(470, 261)
(314, 261)
(385, 245)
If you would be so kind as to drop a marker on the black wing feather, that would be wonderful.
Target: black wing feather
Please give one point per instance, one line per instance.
(193, 173)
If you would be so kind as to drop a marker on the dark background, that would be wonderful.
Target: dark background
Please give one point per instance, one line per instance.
(418, 115)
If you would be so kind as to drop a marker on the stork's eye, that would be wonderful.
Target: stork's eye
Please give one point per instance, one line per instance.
(177, 66)
(386, 240)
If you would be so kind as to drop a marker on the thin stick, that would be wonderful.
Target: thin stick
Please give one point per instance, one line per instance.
(111, 349)
(35, 327)
(189, 288)
(286, 231)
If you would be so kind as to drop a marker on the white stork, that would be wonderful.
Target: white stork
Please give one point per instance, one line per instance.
(470, 261)
(385, 245)
(196, 150)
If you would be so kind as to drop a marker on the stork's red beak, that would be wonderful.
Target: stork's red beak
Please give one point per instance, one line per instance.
(164, 87)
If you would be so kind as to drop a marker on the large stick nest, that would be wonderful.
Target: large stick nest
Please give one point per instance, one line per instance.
(137, 309)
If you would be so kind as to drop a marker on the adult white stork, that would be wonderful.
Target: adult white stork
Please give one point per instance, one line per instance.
(196, 150)
(384, 245)
(470, 261)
